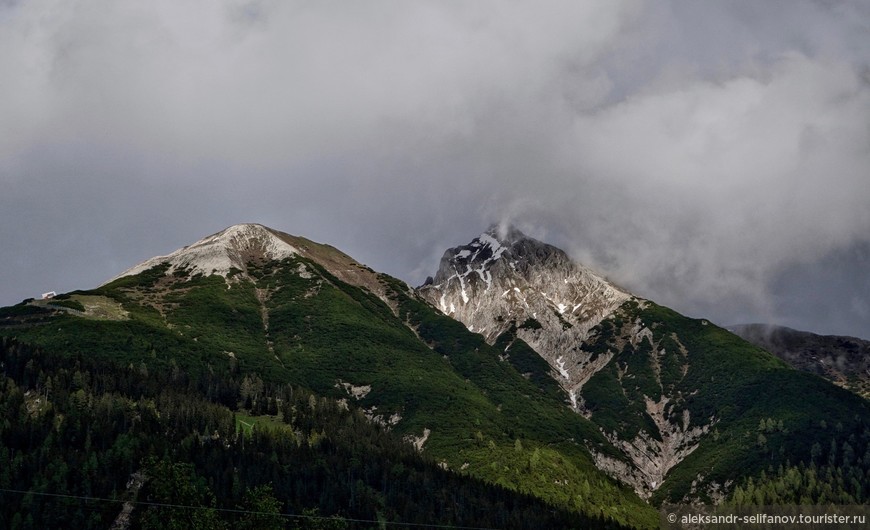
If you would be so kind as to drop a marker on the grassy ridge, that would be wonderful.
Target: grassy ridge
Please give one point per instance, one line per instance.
(296, 323)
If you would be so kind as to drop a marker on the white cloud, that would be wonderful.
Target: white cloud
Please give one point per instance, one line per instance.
(751, 172)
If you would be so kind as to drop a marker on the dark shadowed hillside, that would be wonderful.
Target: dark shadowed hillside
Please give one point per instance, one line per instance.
(843, 360)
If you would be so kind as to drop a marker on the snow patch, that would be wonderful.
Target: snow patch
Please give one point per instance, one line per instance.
(461, 278)
(560, 365)
(490, 241)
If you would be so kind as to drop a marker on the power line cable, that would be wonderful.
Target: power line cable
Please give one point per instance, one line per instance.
(240, 511)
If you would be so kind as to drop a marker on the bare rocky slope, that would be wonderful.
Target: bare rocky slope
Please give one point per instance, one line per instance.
(504, 278)
(680, 398)
(504, 281)
(230, 252)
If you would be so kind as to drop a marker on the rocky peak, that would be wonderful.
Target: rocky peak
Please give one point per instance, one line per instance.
(508, 244)
(218, 253)
(504, 278)
(237, 246)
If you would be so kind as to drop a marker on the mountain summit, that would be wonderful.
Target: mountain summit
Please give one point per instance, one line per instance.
(504, 278)
(662, 388)
(232, 251)
(552, 382)
(231, 248)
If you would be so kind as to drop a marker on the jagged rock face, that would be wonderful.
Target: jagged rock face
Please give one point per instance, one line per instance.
(503, 278)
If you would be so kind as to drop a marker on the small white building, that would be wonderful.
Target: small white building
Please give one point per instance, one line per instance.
(49, 295)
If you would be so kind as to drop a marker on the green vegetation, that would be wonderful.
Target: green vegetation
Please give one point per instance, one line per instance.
(527, 411)
(313, 330)
(24, 309)
(527, 362)
(835, 474)
(71, 304)
(530, 323)
(283, 376)
(80, 430)
(85, 305)
(100, 307)
(721, 381)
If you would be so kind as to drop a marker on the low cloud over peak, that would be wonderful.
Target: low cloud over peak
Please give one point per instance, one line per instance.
(697, 152)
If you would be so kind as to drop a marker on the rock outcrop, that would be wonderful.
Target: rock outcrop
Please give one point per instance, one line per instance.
(504, 278)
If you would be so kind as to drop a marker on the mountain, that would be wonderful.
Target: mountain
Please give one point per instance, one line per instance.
(683, 400)
(251, 318)
(221, 253)
(257, 359)
(503, 279)
(843, 360)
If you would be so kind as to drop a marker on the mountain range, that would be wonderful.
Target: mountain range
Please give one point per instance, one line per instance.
(512, 368)
(843, 360)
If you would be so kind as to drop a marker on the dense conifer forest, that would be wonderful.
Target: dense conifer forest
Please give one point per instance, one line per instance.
(213, 451)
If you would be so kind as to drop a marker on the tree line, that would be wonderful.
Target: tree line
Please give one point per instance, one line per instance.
(218, 450)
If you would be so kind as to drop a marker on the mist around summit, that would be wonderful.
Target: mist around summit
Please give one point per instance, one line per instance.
(712, 156)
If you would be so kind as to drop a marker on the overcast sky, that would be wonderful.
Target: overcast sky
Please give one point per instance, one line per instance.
(712, 156)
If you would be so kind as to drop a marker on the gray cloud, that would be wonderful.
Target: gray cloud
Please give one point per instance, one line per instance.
(697, 152)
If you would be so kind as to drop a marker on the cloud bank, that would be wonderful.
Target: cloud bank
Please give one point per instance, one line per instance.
(699, 153)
